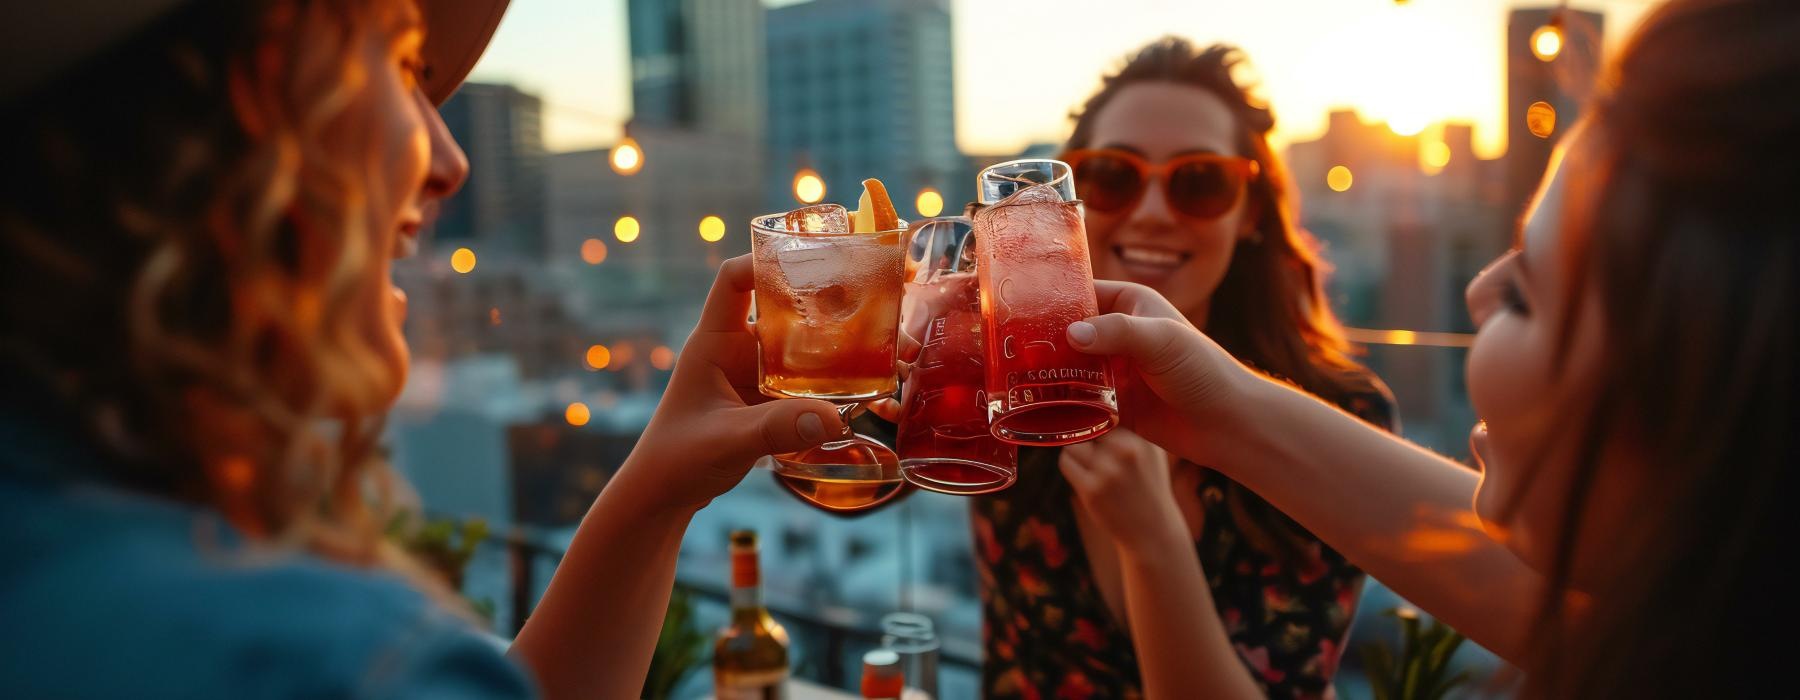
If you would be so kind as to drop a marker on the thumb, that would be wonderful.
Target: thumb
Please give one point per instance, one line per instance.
(782, 426)
(1156, 345)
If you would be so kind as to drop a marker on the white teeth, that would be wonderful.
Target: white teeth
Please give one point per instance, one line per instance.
(1149, 256)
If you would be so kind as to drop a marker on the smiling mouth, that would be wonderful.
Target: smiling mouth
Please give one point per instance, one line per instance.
(1154, 258)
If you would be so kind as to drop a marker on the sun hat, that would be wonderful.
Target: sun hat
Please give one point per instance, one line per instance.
(39, 40)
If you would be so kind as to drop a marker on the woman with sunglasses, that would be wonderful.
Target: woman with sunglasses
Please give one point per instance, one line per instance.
(1089, 588)
(1631, 532)
(200, 202)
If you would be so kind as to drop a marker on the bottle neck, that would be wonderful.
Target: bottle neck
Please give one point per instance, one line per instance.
(746, 582)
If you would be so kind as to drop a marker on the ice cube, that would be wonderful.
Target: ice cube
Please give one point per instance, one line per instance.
(819, 218)
(808, 349)
(808, 265)
(834, 304)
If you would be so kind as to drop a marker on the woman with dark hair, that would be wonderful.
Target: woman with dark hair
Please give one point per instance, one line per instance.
(1635, 367)
(199, 204)
(1181, 193)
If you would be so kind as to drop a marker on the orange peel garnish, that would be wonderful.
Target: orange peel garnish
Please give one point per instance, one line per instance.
(886, 219)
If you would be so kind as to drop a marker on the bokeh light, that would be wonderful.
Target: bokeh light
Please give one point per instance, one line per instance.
(577, 414)
(662, 357)
(712, 229)
(463, 260)
(1547, 42)
(809, 188)
(626, 229)
(930, 203)
(598, 357)
(1338, 178)
(627, 157)
(593, 251)
(1540, 118)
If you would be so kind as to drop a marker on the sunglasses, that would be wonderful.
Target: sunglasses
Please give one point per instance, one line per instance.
(1201, 185)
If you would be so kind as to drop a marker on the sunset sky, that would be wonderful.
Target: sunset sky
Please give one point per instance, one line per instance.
(1420, 62)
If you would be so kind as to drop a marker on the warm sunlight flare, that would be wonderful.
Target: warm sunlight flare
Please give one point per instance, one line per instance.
(1402, 67)
(593, 251)
(1338, 178)
(930, 203)
(712, 229)
(626, 229)
(808, 188)
(463, 260)
(598, 357)
(577, 414)
(627, 157)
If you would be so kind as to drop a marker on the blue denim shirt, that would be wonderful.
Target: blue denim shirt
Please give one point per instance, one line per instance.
(106, 593)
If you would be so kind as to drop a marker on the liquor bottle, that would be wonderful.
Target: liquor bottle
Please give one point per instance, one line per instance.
(882, 678)
(750, 655)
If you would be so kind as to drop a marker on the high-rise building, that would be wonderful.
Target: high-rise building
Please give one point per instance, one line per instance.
(863, 88)
(501, 209)
(1544, 97)
(697, 64)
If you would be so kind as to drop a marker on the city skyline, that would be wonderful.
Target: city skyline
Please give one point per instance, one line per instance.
(1350, 53)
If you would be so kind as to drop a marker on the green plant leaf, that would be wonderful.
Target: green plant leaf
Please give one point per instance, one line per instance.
(1378, 661)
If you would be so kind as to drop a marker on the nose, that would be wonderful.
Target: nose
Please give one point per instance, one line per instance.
(1483, 292)
(449, 166)
(1152, 208)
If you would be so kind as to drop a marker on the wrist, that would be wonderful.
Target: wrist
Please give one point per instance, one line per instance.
(1166, 535)
(1231, 428)
(637, 488)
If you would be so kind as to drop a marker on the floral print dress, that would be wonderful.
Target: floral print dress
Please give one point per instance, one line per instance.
(1048, 633)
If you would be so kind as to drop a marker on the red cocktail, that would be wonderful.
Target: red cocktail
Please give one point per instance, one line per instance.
(1035, 280)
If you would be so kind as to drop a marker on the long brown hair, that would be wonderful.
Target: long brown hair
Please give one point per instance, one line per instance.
(1270, 310)
(182, 259)
(1680, 220)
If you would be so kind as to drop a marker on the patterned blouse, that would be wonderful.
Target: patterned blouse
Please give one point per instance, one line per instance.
(1048, 633)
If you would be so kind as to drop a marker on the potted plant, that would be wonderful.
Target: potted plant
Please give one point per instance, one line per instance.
(1421, 670)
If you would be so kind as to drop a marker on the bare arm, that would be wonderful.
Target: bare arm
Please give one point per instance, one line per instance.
(1403, 514)
(1122, 482)
(593, 632)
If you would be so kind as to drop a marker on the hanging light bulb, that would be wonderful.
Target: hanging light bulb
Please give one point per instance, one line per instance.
(1547, 41)
(809, 188)
(627, 157)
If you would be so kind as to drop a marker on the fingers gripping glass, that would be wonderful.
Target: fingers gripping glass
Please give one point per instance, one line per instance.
(827, 311)
(1200, 185)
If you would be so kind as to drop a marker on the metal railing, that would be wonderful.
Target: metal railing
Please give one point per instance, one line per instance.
(831, 630)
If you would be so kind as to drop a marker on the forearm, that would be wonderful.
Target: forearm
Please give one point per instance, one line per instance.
(1401, 513)
(593, 632)
(1182, 648)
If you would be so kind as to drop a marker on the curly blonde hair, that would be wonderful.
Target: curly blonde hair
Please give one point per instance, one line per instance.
(186, 278)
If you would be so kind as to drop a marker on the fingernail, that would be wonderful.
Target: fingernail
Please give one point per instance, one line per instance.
(1082, 333)
(811, 428)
